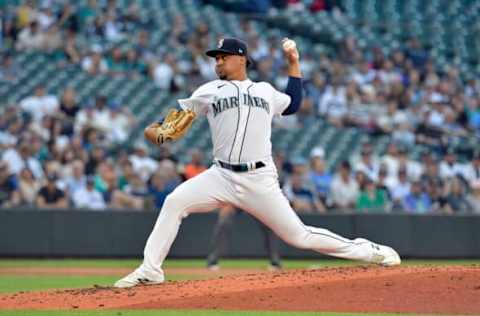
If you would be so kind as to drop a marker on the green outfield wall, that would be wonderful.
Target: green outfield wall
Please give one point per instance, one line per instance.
(68, 233)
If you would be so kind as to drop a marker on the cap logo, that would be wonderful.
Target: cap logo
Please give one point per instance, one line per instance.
(240, 51)
(220, 43)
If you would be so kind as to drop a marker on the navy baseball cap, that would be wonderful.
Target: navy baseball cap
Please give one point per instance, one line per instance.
(232, 46)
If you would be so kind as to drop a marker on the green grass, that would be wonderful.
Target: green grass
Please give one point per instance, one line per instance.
(18, 283)
(182, 313)
(199, 263)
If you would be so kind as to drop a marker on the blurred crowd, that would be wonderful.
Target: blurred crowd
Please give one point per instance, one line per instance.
(388, 183)
(56, 152)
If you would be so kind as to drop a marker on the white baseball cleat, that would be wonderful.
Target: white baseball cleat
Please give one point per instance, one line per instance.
(385, 256)
(382, 255)
(137, 278)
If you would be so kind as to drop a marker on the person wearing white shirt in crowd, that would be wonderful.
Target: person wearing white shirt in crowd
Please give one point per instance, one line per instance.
(414, 168)
(88, 197)
(77, 180)
(84, 117)
(40, 104)
(142, 163)
(399, 188)
(367, 163)
(95, 64)
(390, 160)
(164, 73)
(30, 38)
(344, 190)
(120, 123)
(449, 167)
(22, 158)
(364, 75)
(471, 172)
(101, 115)
(333, 103)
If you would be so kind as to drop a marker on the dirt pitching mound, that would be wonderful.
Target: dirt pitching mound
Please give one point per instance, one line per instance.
(448, 290)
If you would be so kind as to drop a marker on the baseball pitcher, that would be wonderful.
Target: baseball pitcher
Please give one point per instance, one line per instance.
(239, 112)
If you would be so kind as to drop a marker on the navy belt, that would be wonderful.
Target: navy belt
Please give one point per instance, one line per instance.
(243, 167)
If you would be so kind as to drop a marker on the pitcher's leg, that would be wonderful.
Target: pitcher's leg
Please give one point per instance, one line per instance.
(204, 192)
(275, 211)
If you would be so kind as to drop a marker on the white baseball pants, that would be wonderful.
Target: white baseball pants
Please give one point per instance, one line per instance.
(258, 193)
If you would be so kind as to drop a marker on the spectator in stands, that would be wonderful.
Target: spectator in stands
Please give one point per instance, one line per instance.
(195, 166)
(97, 155)
(9, 195)
(390, 160)
(46, 17)
(28, 188)
(474, 197)
(95, 64)
(121, 123)
(10, 131)
(315, 89)
(52, 40)
(84, 118)
(168, 167)
(68, 110)
(474, 115)
(344, 189)
(88, 197)
(456, 199)
(138, 191)
(68, 19)
(301, 197)
(142, 46)
(113, 28)
(417, 201)
(319, 176)
(143, 165)
(50, 196)
(381, 182)
(333, 104)
(436, 194)
(77, 180)
(449, 167)
(399, 188)
(134, 66)
(165, 73)
(30, 38)
(372, 199)
(414, 168)
(158, 191)
(72, 47)
(8, 31)
(367, 163)
(472, 169)
(40, 104)
(116, 63)
(416, 53)
(106, 181)
(21, 157)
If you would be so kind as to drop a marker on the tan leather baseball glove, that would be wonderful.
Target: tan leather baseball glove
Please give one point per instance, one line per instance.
(173, 127)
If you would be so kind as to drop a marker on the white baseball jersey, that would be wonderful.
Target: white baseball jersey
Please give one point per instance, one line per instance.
(240, 116)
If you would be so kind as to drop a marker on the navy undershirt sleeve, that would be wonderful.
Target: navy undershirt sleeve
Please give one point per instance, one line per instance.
(294, 90)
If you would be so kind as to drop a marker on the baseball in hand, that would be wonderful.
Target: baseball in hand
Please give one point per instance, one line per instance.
(288, 44)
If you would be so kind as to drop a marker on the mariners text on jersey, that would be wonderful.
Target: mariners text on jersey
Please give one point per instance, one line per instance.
(232, 102)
